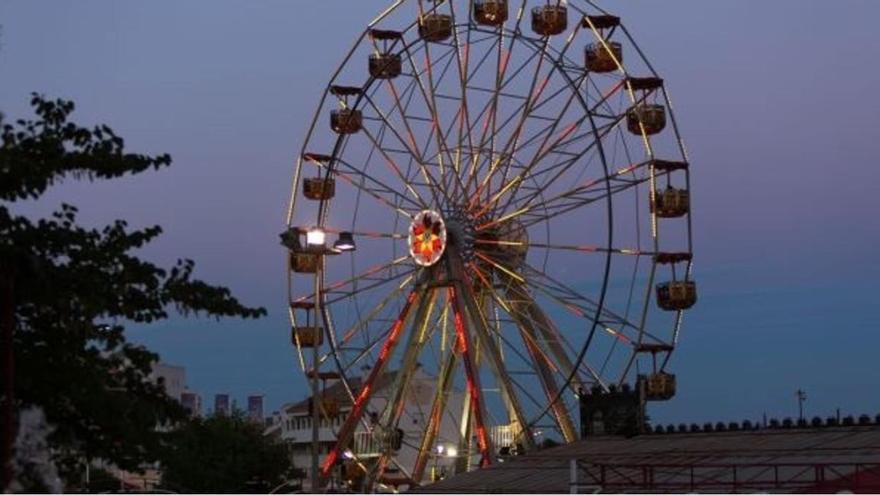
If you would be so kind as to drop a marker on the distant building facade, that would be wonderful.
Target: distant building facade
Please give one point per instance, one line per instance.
(172, 377)
(192, 402)
(221, 405)
(255, 408)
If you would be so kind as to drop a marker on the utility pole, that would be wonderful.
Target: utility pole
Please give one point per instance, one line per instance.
(801, 397)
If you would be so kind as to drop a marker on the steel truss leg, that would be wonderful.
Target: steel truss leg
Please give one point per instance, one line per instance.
(519, 297)
(432, 428)
(397, 398)
(478, 408)
(463, 461)
(357, 410)
(547, 329)
(484, 335)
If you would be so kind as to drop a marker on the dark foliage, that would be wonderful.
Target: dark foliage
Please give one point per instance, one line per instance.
(74, 289)
(224, 454)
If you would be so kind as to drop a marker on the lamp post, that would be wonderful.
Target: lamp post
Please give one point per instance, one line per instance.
(315, 241)
(316, 246)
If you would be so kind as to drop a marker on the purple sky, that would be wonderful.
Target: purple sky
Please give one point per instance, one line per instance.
(776, 103)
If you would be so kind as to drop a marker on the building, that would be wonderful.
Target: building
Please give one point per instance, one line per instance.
(255, 408)
(192, 402)
(172, 377)
(221, 404)
(786, 457)
(293, 423)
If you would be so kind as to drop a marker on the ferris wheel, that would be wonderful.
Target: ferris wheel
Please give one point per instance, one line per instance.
(490, 217)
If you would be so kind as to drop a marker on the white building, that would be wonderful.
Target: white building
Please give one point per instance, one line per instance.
(173, 378)
(293, 424)
(192, 402)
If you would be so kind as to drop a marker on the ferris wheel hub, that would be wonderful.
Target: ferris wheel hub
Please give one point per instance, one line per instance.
(462, 231)
(427, 238)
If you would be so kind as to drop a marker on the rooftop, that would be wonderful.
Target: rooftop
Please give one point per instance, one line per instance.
(783, 460)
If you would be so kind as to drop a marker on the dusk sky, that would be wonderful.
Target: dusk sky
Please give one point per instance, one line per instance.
(776, 101)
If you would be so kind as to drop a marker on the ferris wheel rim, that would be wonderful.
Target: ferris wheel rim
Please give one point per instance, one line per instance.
(340, 146)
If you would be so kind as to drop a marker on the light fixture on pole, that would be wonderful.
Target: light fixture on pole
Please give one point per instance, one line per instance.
(315, 237)
(345, 242)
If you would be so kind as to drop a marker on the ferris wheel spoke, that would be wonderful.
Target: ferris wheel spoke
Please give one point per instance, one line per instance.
(520, 110)
(431, 103)
(604, 100)
(364, 322)
(576, 198)
(580, 305)
(354, 279)
(343, 295)
(430, 97)
(402, 111)
(542, 152)
(376, 189)
(573, 300)
(600, 134)
(463, 60)
(410, 147)
(434, 85)
(502, 63)
(545, 132)
(532, 105)
(534, 94)
(546, 210)
(561, 247)
(396, 169)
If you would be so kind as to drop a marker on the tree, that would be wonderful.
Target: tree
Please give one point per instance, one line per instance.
(224, 454)
(68, 291)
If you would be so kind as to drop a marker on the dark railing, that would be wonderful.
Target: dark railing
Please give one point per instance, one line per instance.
(812, 477)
